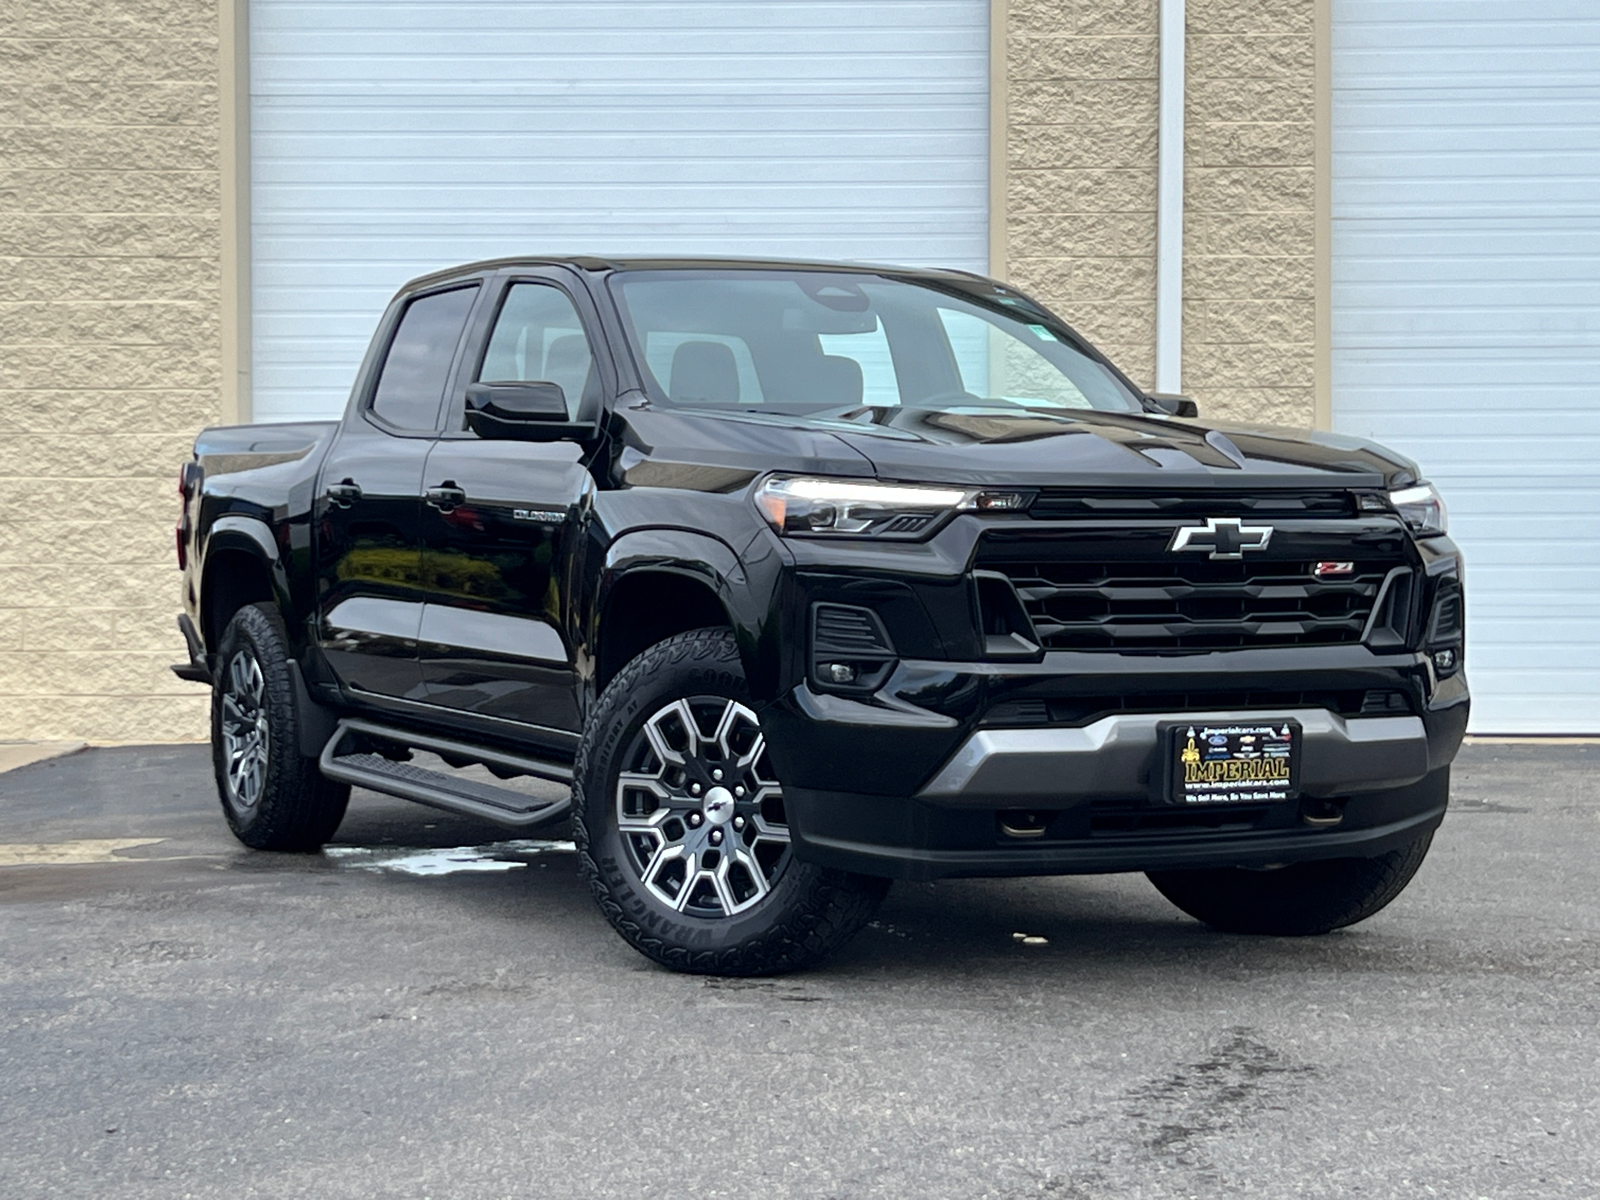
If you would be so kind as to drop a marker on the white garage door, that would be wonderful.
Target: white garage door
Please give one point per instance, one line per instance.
(1466, 310)
(391, 139)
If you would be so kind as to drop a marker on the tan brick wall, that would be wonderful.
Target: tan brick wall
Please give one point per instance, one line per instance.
(1081, 189)
(1249, 274)
(109, 355)
(1081, 167)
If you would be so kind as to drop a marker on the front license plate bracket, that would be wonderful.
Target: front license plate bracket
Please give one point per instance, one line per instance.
(1206, 763)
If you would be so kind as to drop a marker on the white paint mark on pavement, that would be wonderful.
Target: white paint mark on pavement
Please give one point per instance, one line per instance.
(85, 850)
(453, 860)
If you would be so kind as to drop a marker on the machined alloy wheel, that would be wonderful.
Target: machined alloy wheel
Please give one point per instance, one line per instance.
(683, 829)
(700, 809)
(245, 732)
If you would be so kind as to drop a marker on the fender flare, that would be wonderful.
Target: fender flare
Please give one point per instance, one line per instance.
(694, 555)
(235, 532)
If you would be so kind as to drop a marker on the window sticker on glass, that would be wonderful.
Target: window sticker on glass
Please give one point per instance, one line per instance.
(1043, 334)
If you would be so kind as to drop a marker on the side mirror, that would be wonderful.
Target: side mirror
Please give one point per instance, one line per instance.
(530, 412)
(1173, 406)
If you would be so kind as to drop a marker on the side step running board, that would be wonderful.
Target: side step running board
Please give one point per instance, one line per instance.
(468, 797)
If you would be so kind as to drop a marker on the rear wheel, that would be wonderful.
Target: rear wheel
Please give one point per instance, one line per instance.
(1295, 900)
(274, 798)
(681, 825)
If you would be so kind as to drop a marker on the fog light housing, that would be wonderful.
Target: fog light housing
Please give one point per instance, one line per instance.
(1444, 661)
(850, 649)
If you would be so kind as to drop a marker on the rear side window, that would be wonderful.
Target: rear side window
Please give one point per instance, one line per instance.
(411, 385)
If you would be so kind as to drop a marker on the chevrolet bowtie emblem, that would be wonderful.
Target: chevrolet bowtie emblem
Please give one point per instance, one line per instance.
(1224, 537)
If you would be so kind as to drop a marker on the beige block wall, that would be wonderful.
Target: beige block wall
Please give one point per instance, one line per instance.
(1249, 272)
(109, 355)
(1080, 159)
(1081, 167)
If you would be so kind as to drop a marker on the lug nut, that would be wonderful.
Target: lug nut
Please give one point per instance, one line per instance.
(739, 791)
(717, 774)
(738, 822)
(716, 837)
(694, 789)
(694, 820)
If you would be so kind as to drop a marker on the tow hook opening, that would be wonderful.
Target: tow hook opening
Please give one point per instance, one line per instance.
(1321, 814)
(1024, 823)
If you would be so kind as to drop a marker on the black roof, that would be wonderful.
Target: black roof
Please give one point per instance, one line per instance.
(586, 262)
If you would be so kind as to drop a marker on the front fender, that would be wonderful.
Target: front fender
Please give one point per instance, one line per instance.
(744, 584)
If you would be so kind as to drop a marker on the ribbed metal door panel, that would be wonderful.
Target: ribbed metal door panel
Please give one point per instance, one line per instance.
(1466, 313)
(394, 138)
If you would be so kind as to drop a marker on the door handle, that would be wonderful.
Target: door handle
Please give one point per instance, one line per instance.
(344, 494)
(446, 496)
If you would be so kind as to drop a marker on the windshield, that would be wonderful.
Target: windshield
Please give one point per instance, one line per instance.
(820, 342)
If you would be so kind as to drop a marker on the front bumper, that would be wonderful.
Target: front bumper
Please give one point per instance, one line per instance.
(912, 839)
(922, 784)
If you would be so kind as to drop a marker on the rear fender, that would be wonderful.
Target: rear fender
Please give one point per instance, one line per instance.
(240, 534)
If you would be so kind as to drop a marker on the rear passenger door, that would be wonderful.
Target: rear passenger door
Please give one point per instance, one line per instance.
(368, 551)
(498, 521)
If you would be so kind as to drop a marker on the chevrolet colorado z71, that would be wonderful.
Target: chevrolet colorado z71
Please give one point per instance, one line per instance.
(810, 577)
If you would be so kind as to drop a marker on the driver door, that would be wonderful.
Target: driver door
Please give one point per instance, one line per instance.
(498, 523)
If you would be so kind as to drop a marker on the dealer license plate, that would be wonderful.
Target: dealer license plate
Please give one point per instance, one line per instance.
(1256, 762)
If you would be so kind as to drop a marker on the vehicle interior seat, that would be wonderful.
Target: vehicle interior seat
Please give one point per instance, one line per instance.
(703, 373)
(838, 381)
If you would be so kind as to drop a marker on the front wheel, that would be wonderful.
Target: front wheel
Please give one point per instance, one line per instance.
(681, 827)
(1296, 900)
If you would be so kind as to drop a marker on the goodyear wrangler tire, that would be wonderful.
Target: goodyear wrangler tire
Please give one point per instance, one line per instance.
(681, 829)
(1297, 900)
(273, 797)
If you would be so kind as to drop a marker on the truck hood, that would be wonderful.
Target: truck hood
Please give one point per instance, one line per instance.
(1086, 448)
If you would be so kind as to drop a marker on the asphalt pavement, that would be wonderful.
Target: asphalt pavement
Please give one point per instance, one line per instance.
(428, 1010)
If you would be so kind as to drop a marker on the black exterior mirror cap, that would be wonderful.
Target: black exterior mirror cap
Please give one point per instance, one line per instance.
(1173, 406)
(525, 412)
(530, 401)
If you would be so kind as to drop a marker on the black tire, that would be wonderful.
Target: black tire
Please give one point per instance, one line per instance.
(1298, 900)
(274, 798)
(742, 905)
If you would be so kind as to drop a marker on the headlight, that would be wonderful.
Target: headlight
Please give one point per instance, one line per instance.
(1422, 508)
(842, 507)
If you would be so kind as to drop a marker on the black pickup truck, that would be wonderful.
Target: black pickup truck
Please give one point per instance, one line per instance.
(807, 577)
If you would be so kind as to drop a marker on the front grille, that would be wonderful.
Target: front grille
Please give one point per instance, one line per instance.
(1122, 589)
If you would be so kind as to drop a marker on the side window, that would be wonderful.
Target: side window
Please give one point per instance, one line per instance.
(538, 337)
(411, 384)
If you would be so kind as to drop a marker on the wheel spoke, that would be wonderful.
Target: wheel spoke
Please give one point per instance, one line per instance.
(719, 882)
(658, 740)
(725, 724)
